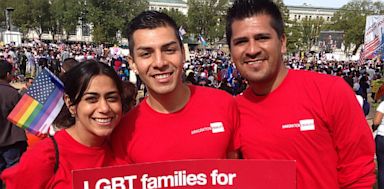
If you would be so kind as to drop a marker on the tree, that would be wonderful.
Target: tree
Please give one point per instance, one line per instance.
(179, 17)
(110, 16)
(21, 16)
(207, 18)
(32, 15)
(294, 34)
(66, 15)
(291, 28)
(106, 16)
(310, 30)
(284, 10)
(3, 5)
(351, 19)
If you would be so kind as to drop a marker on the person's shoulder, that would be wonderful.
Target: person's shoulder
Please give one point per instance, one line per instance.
(307, 73)
(314, 77)
(6, 85)
(42, 150)
(38, 159)
(210, 96)
(209, 92)
(6, 88)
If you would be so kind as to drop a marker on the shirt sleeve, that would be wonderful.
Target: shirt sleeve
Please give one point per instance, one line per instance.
(35, 169)
(380, 108)
(352, 138)
(233, 113)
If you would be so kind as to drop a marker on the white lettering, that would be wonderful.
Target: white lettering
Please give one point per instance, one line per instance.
(179, 178)
(222, 178)
(86, 185)
(103, 181)
(114, 183)
(196, 131)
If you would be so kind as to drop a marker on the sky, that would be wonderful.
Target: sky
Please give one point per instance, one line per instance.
(320, 3)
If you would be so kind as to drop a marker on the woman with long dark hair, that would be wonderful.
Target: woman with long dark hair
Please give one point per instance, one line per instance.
(93, 94)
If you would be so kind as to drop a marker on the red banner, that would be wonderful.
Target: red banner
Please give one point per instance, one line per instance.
(223, 174)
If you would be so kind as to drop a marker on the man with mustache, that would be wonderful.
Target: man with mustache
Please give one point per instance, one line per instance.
(304, 116)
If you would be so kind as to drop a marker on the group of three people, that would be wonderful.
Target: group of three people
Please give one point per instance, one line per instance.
(284, 114)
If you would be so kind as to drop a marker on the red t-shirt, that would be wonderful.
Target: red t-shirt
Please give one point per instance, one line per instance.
(36, 167)
(203, 129)
(316, 120)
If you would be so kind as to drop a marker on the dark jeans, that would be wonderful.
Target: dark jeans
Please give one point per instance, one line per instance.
(380, 160)
(10, 155)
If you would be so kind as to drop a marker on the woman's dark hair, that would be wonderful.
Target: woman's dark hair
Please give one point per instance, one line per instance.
(76, 81)
(129, 96)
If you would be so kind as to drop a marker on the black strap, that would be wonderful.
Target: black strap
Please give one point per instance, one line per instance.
(56, 153)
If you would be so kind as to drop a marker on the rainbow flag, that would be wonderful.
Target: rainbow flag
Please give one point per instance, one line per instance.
(40, 105)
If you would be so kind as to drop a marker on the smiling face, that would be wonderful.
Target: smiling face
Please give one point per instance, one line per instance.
(99, 110)
(257, 50)
(158, 58)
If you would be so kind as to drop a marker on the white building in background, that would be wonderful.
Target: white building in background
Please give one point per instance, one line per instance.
(310, 12)
(179, 5)
(82, 34)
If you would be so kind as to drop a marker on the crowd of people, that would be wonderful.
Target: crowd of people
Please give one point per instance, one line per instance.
(269, 106)
(205, 67)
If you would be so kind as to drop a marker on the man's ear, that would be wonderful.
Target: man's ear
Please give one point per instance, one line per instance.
(132, 64)
(9, 76)
(283, 43)
(68, 103)
(183, 54)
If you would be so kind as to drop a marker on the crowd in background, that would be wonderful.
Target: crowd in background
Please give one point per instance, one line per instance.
(211, 68)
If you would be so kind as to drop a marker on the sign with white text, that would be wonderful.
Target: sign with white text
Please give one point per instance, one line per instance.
(374, 36)
(223, 174)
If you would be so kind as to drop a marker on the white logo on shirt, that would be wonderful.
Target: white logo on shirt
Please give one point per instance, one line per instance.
(304, 125)
(307, 125)
(215, 127)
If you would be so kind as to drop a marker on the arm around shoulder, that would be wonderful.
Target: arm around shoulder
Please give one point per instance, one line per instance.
(34, 171)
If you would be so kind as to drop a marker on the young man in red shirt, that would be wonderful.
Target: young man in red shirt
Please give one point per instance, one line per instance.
(175, 121)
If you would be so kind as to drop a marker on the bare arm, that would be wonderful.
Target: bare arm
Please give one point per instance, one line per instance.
(377, 120)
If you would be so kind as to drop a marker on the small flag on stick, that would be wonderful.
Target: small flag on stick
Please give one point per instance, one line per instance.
(40, 105)
(362, 56)
(182, 32)
(202, 40)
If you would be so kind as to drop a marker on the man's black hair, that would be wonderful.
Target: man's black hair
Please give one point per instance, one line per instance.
(150, 20)
(242, 9)
(5, 68)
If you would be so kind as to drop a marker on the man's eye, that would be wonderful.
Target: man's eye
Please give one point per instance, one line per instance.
(263, 38)
(170, 51)
(240, 42)
(144, 54)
